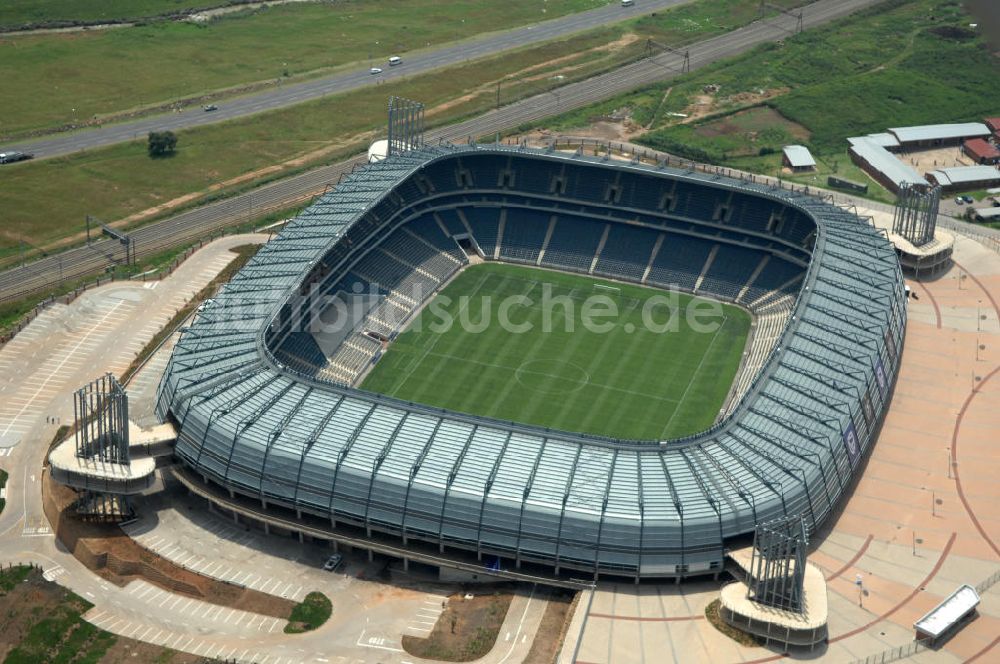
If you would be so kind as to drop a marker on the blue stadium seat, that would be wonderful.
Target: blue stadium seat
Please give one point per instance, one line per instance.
(524, 232)
(626, 252)
(729, 271)
(484, 221)
(574, 243)
(679, 261)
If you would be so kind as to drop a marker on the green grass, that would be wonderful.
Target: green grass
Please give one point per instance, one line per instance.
(642, 384)
(897, 64)
(98, 73)
(60, 635)
(10, 576)
(309, 614)
(113, 182)
(16, 13)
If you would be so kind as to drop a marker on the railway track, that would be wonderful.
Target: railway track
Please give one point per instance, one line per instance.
(75, 264)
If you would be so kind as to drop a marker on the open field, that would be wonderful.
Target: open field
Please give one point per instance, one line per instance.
(101, 72)
(115, 182)
(43, 623)
(898, 64)
(626, 381)
(14, 13)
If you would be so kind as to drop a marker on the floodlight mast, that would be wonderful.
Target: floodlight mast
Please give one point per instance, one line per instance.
(406, 125)
(915, 215)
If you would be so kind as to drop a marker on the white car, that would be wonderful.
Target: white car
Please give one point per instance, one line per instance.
(376, 70)
(333, 562)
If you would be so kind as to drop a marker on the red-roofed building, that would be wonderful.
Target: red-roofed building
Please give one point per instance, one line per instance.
(982, 152)
(994, 126)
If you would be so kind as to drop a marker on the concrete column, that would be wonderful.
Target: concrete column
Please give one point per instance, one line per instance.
(263, 504)
(517, 563)
(371, 556)
(298, 513)
(336, 546)
(232, 494)
(406, 564)
(333, 523)
(236, 517)
(302, 537)
(267, 528)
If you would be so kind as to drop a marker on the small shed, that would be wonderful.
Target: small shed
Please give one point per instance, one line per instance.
(798, 158)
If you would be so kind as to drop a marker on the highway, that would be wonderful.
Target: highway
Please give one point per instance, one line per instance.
(17, 283)
(288, 94)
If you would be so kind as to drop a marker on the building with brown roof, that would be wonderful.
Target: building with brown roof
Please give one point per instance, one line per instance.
(982, 152)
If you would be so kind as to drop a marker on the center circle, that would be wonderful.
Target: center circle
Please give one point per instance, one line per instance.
(551, 376)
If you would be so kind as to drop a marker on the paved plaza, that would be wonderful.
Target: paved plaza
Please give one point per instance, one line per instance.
(913, 529)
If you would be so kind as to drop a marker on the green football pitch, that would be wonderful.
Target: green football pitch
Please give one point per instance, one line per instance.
(528, 345)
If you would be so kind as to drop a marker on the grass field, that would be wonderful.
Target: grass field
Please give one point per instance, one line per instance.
(628, 381)
(14, 13)
(114, 182)
(900, 63)
(96, 73)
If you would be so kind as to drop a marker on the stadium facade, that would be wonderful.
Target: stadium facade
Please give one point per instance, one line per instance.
(265, 413)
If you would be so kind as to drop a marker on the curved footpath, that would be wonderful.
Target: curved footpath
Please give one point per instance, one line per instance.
(913, 529)
(101, 331)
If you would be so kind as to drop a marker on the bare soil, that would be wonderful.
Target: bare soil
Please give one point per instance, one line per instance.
(467, 629)
(552, 630)
(928, 160)
(113, 555)
(712, 101)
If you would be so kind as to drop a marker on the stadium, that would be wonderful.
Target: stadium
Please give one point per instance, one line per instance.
(365, 430)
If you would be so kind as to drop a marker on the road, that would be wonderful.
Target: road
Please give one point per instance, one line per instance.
(283, 95)
(49, 272)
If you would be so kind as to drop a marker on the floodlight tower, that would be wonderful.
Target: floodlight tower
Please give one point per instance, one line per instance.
(406, 125)
(915, 216)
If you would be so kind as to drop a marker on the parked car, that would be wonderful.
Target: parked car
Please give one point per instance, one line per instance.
(968, 199)
(959, 200)
(333, 562)
(12, 156)
(209, 107)
(395, 60)
(376, 70)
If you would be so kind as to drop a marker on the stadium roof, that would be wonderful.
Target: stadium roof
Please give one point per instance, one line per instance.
(653, 508)
(886, 163)
(963, 175)
(940, 132)
(798, 156)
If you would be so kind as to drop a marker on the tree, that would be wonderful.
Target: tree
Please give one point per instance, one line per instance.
(162, 143)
